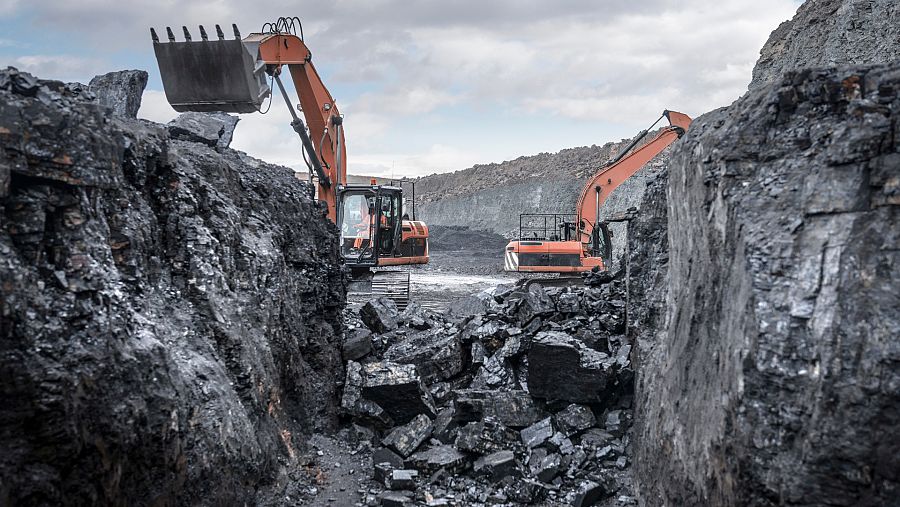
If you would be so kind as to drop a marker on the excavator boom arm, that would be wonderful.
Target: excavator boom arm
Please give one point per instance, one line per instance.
(323, 118)
(602, 184)
(230, 75)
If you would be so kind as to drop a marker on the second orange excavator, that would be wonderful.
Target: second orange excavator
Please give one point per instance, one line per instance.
(555, 243)
(237, 75)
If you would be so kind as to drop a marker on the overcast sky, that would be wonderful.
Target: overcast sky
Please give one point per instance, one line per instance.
(435, 86)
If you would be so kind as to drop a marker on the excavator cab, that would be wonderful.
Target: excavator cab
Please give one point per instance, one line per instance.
(370, 222)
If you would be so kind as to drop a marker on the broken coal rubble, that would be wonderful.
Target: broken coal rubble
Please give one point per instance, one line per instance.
(525, 400)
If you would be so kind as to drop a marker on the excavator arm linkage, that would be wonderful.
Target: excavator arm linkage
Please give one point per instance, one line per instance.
(231, 75)
(602, 184)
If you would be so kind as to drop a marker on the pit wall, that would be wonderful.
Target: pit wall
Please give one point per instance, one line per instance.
(170, 315)
(769, 373)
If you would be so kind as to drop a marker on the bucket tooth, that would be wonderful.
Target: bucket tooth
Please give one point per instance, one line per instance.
(154, 36)
(216, 75)
(237, 33)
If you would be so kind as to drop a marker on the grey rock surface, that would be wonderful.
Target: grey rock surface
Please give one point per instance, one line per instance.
(562, 368)
(780, 337)
(380, 315)
(212, 129)
(120, 91)
(407, 438)
(170, 315)
(397, 389)
(828, 33)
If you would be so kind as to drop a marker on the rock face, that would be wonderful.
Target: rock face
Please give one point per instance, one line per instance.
(780, 342)
(762, 286)
(121, 91)
(827, 33)
(170, 314)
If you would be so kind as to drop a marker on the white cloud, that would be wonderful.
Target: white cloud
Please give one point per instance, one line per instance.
(417, 99)
(270, 137)
(8, 6)
(437, 158)
(61, 67)
(697, 58)
(155, 107)
(397, 67)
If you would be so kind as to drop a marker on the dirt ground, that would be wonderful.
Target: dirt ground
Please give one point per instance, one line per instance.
(462, 262)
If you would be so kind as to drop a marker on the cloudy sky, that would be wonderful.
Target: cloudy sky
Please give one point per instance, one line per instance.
(434, 86)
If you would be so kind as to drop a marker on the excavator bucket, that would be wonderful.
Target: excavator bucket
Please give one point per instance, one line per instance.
(211, 75)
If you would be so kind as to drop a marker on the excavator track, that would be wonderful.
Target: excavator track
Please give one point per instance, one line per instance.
(564, 280)
(393, 285)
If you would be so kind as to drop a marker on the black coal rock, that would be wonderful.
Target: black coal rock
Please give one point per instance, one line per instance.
(120, 91)
(574, 419)
(407, 438)
(397, 389)
(212, 129)
(485, 437)
(402, 480)
(437, 355)
(385, 455)
(380, 315)
(436, 458)
(497, 465)
(537, 433)
(170, 314)
(535, 303)
(562, 368)
(514, 409)
(357, 345)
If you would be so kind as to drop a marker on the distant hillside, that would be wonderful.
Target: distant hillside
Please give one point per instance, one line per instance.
(491, 196)
(569, 164)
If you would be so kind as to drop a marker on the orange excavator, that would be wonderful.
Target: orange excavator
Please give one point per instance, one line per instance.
(557, 243)
(237, 75)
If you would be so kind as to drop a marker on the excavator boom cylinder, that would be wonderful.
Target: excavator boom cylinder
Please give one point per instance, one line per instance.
(212, 75)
